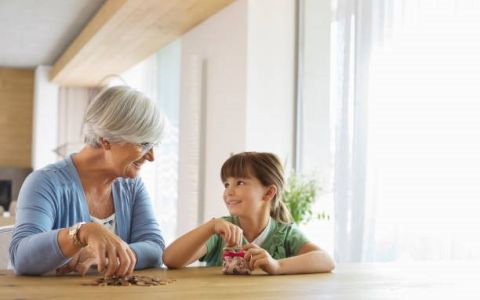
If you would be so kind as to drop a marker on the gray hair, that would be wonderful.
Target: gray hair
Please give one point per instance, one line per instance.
(121, 114)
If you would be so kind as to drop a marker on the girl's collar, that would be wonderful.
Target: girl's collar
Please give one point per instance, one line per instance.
(262, 236)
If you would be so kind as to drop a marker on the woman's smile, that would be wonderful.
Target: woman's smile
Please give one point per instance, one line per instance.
(137, 165)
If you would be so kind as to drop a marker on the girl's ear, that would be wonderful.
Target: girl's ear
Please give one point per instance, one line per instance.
(270, 193)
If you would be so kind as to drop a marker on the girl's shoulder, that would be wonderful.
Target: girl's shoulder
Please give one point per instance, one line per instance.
(283, 228)
(289, 233)
(284, 240)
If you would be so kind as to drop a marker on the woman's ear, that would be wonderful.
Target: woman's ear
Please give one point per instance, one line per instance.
(270, 192)
(105, 144)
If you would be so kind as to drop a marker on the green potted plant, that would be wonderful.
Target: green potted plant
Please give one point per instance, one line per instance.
(299, 195)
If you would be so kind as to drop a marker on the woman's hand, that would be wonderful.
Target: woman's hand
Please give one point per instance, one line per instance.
(112, 255)
(231, 233)
(80, 262)
(259, 258)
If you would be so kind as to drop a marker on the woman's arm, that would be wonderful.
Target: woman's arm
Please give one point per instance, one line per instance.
(34, 248)
(37, 247)
(145, 237)
(191, 246)
(104, 247)
(310, 259)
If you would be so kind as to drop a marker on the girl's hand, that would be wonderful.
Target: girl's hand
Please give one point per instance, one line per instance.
(260, 258)
(104, 245)
(231, 233)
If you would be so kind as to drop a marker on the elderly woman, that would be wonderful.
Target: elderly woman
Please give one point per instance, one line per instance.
(92, 208)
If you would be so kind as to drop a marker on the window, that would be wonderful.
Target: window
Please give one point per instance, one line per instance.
(407, 156)
(424, 157)
(159, 78)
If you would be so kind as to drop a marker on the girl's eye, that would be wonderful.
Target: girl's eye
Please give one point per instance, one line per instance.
(226, 184)
(240, 182)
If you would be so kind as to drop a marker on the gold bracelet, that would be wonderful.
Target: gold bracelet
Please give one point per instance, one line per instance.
(74, 232)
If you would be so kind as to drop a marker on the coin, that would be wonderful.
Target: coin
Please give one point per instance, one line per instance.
(140, 280)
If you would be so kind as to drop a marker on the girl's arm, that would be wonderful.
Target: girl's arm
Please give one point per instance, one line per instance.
(191, 246)
(310, 259)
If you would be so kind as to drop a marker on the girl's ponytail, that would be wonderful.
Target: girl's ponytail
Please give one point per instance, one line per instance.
(279, 211)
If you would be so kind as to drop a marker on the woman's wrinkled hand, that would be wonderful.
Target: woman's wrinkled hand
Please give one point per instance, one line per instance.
(112, 255)
(80, 262)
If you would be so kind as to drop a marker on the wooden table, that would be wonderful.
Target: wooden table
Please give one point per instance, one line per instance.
(349, 281)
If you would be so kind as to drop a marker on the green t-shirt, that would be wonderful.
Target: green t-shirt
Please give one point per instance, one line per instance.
(283, 240)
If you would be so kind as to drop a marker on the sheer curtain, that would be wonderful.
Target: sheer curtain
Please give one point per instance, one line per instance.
(407, 159)
(352, 41)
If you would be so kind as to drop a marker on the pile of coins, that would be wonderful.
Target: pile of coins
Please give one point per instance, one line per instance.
(132, 280)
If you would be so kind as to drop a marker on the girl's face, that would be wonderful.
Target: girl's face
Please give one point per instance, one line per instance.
(127, 159)
(245, 196)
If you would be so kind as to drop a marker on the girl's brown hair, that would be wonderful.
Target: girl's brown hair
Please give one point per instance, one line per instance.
(264, 166)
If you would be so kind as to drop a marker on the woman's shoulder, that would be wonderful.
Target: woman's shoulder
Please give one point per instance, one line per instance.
(54, 181)
(131, 189)
(130, 184)
(55, 173)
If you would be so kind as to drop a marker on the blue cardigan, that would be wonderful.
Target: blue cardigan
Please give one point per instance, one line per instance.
(52, 198)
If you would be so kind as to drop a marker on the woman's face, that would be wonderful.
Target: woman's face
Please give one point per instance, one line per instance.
(127, 159)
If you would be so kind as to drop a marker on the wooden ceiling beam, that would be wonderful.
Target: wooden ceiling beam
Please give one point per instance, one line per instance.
(125, 32)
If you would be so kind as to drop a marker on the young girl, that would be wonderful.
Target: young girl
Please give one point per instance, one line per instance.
(259, 221)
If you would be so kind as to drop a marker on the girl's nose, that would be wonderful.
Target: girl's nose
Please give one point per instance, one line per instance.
(229, 190)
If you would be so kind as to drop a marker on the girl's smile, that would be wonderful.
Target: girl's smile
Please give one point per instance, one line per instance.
(233, 203)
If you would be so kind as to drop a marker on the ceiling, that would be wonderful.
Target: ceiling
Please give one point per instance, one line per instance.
(37, 32)
(86, 40)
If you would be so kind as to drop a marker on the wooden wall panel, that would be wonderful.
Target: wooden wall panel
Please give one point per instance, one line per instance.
(16, 113)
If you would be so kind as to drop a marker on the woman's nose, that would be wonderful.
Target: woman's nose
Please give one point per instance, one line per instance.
(149, 155)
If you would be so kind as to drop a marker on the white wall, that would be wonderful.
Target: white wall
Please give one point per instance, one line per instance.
(271, 77)
(213, 72)
(236, 95)
(45, 119)
(317, 158)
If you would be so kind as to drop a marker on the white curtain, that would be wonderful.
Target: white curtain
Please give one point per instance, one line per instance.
(406, 85)
(352, 42)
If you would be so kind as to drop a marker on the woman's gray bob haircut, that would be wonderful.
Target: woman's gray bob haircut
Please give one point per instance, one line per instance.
(121, 114)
